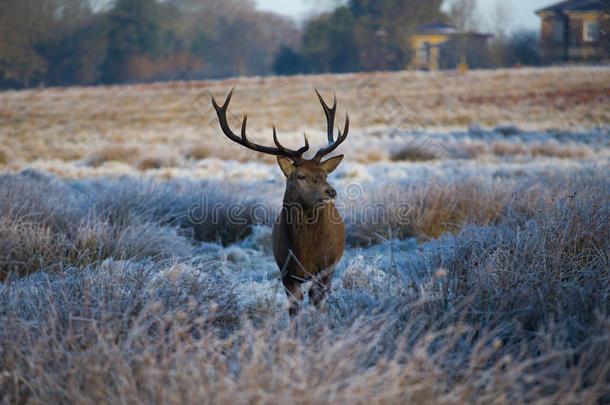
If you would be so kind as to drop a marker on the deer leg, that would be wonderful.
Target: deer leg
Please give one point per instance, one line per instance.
(295, 296)
(319, 290)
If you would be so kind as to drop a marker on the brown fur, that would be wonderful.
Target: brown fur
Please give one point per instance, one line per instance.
(309, 235)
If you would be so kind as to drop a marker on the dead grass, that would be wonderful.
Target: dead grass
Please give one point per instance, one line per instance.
(549, 149)
(115, 290)
(135, 155)
(445, 207)
(435, 206)
(542, 268)
(429, 209)
(205, 149)
(4, 156)
(414, 154)
(509, 148)
(568, 151)
(159, 159)
(116, 153)
(41, 123)
(221, 148)
(69, 153)
(30, 247)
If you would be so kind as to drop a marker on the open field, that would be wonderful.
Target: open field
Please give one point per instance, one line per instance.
(135, 243)
(172, 124)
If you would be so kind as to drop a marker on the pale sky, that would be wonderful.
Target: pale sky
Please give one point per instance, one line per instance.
(521, 12)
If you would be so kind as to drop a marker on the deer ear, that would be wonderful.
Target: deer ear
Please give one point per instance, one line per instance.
(286, 165)
(331, 164)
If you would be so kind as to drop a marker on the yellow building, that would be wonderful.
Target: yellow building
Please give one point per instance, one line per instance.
(442, 46)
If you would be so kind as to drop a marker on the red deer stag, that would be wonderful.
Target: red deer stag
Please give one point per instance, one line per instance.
(309, 235)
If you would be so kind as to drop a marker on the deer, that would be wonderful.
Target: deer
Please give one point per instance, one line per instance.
(309, 233)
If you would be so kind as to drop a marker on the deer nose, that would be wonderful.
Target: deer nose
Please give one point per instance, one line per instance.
(331, 192)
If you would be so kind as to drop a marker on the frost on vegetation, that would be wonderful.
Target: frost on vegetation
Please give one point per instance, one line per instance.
(491, 287)
(259, 239)
(365, 274)
(515, 300)
(387, 147)
(48, 222)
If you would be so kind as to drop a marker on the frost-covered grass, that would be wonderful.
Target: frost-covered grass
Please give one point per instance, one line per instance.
(112, 293)
(135, 243)
(47, 223)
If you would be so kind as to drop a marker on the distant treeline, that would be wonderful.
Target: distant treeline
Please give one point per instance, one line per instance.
(64, 42)
(67, 42)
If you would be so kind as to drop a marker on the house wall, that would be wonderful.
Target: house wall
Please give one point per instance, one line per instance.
(432, 39)
(573, 46)
(421, 59)
(445, 51)
(577, 23)
(552, 49)
(578, 47)
(576, 34)
(546, 30)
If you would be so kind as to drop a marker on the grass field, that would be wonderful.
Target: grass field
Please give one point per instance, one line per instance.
(135, 243)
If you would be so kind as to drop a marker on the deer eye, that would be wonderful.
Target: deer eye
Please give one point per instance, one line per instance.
(301, 177)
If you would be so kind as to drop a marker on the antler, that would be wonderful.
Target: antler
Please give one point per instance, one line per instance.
(330, 122)
(295, 155)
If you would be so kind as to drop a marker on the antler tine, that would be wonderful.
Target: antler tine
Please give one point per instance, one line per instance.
(333, 145)
(330, 122)
(221, 111)
(301, 150)
(330, 115)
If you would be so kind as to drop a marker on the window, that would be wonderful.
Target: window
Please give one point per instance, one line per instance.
(558, 31)
(591, 31)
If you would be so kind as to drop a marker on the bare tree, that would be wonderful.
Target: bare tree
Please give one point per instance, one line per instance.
(463, 14)
(500, 20)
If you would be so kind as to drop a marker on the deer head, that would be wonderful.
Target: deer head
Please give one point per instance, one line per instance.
(306, 182)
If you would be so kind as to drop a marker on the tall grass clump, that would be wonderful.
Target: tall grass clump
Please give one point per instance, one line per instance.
(47, 223)
(426, 208)
(226, 212)
(550, 268)
(435, 205)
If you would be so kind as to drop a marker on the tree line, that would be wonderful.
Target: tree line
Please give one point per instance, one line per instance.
(67, 42)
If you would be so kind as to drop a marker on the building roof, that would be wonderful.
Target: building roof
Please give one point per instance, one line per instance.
(445, 29)
(575, 5)
(436, 27)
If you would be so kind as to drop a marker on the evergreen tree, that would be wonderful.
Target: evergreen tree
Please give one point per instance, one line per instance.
(134, 29)
(288, 62)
